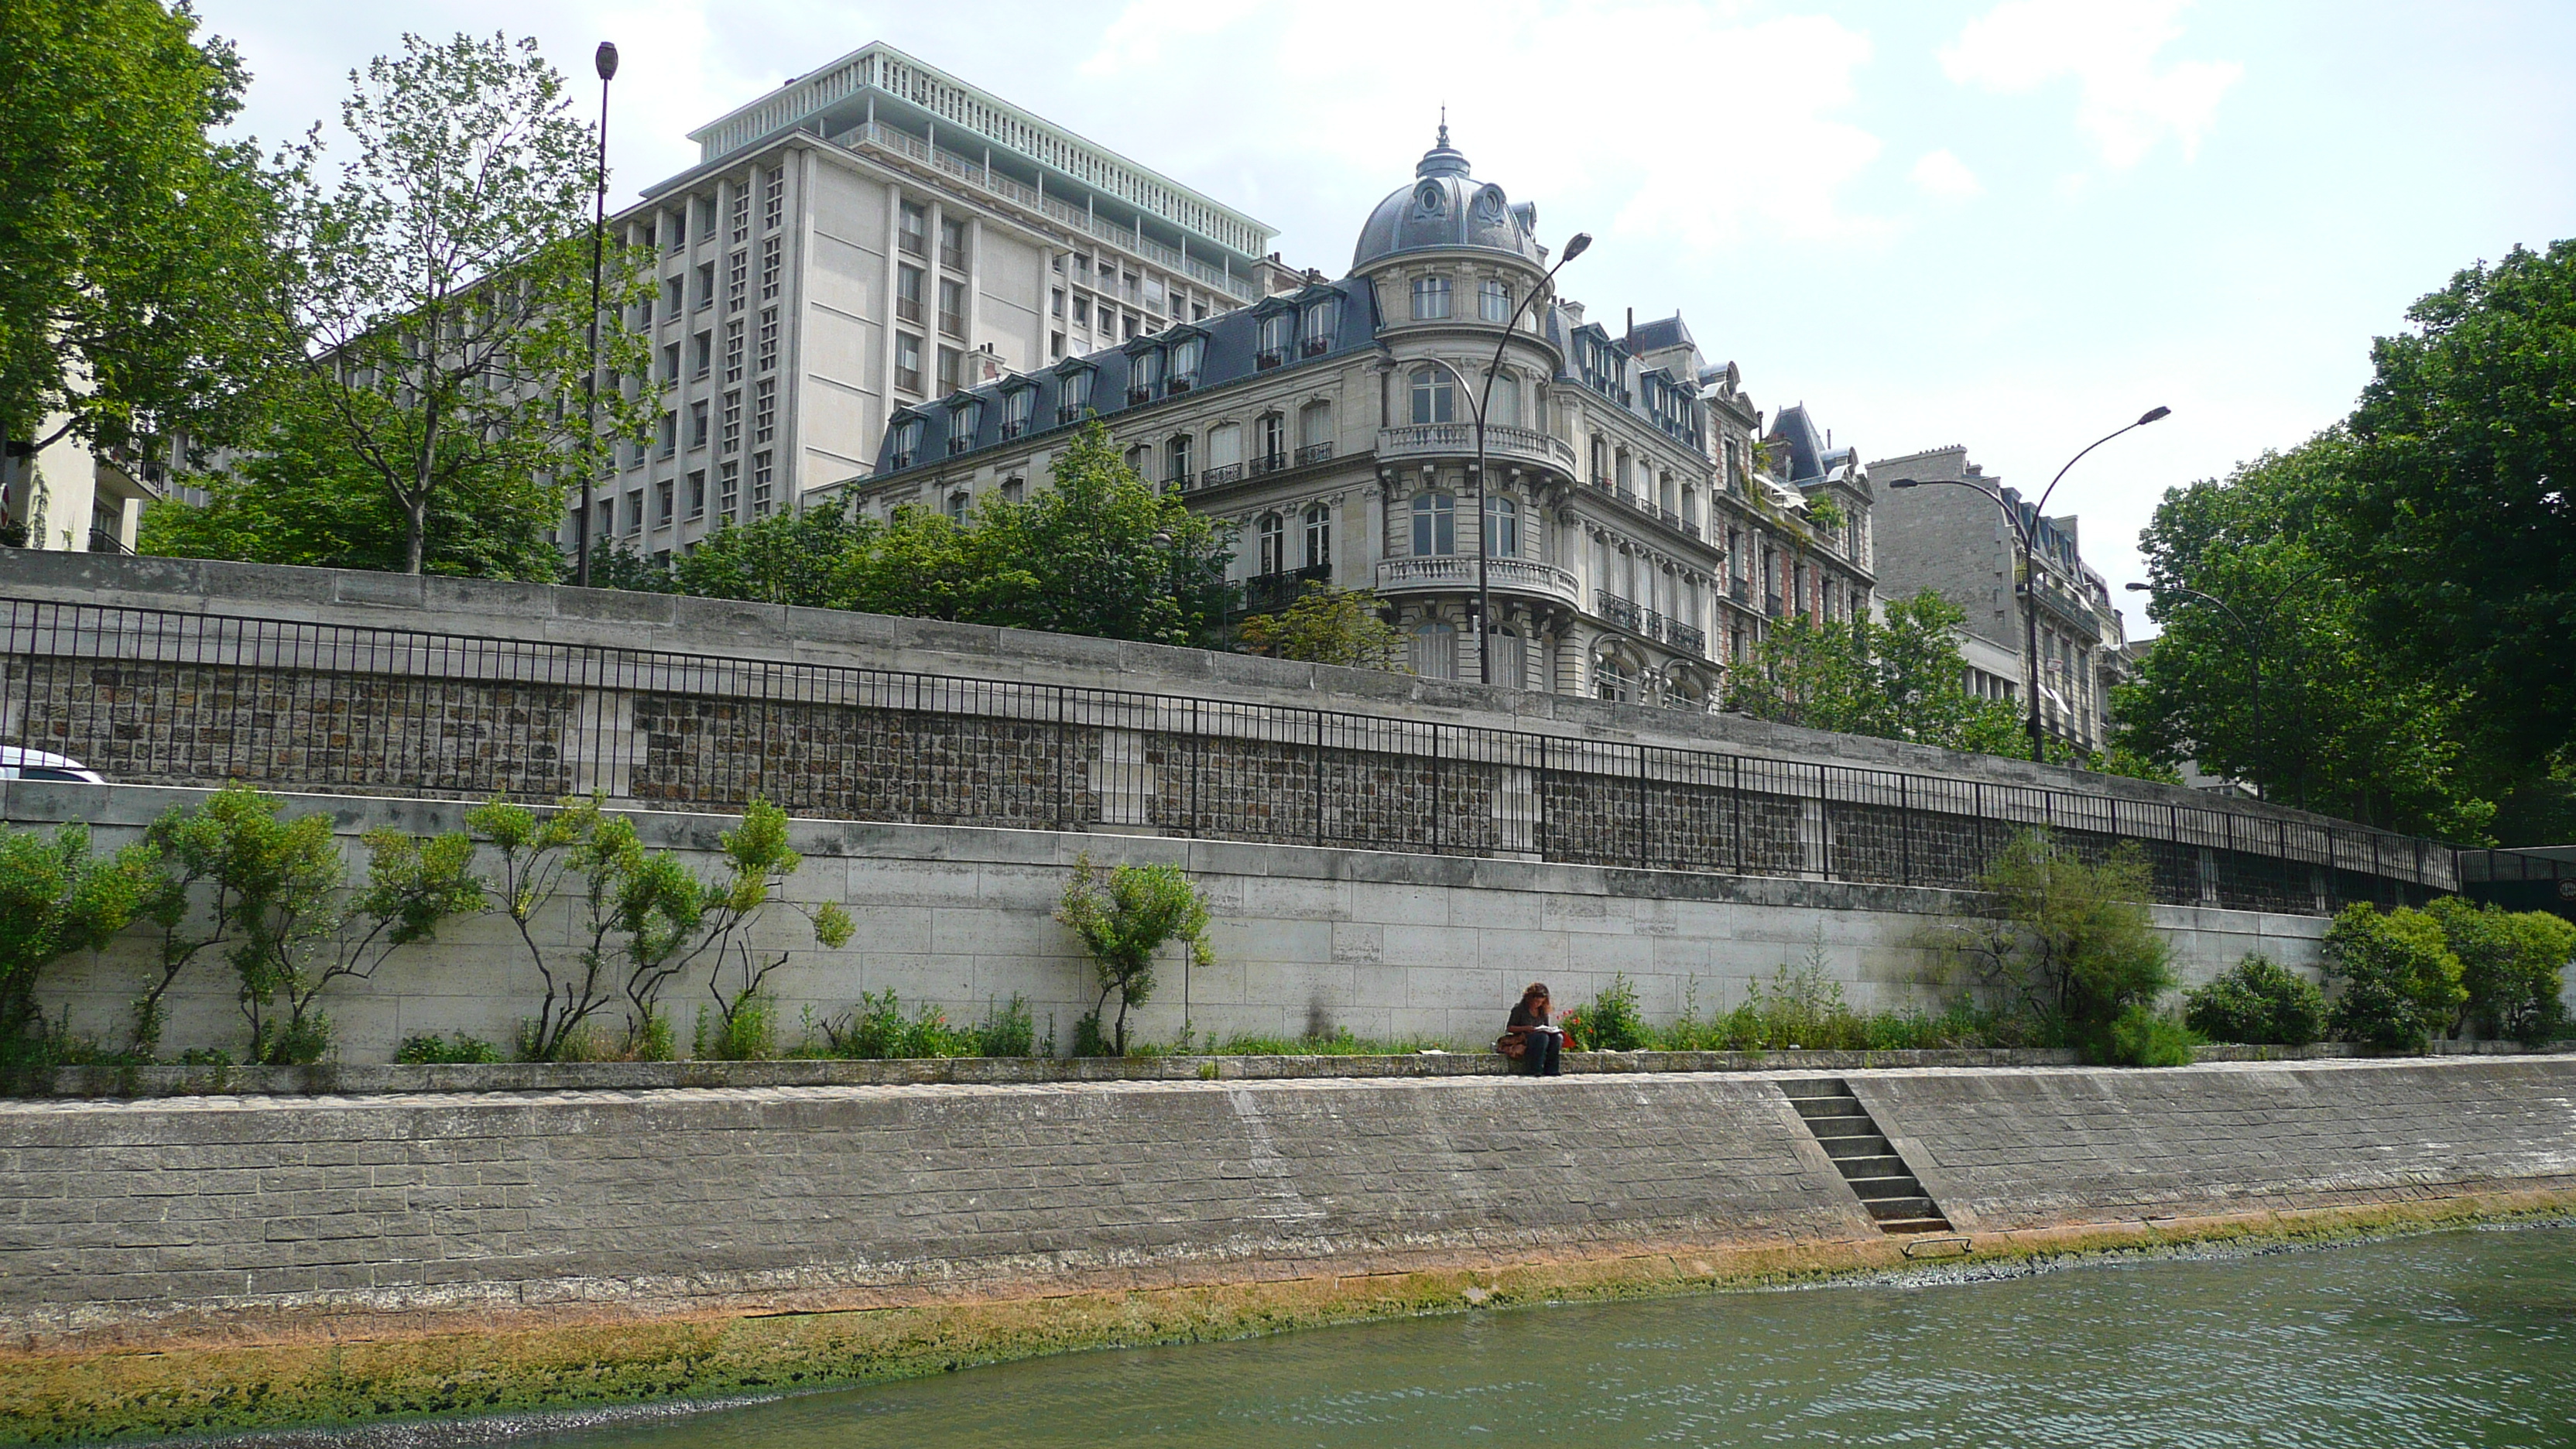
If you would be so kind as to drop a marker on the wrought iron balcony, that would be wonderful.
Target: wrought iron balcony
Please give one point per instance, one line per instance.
(1457, 571)
(1688, 638)
(1222, 473)
(1269, 593)
(1314, 453)
(1458, 440)
(1269, 463)
(1625, 613)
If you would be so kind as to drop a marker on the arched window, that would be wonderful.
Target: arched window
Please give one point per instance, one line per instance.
(1435, 524)
(1277, 331)
(1430, 299)
(1435, 398)
(1141, 459)
(1187, 354)
(1273, 437)
(1319, 537)
(907, 443)
(1273, 533)
(957, 503)
(1502, 527)
(1224, 454)
(1493, 300)
(1611, 680)
(1314, 430)
(1505, 409)
(1323, 324)
(1433, 651)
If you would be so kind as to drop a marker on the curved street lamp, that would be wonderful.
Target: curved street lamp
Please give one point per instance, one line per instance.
(604, 60)
(1575, 246)
(2023, 534)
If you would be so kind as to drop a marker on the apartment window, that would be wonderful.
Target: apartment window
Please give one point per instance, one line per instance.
(1505, 410)
(741, 215)
(770, 253)
(1073, 396)
(952, 244)
(697, 425)
(907, 362)
(669, 433)
(952, 308)
(1277, 331)
(674, 295)
(1153, 294)
(1058, 306)
(1133, 294)
(1055, 346)
(730, 429)
(702, 353)
(1012, 488)
(958, 503)
(663, 503)
(760, 478)
(733, 350)
(737, 276)
(1502, 528)
(1323, 324)
(1273, 534)
(1314, 431)
(912, 230)
(964, 423)
(773, 197)
(1187, 356)
(1176, 460)
(1430, 299)
(607, 518)
(1435, 400)
(671, 362)
(907, 294)
(1433, 651)
(764, 410)
(643, 235)
(697, 495)
(1274, 440)
(680, 228)
(1435, 524)
(643, 318)
(768, 353)
(728, 489)
(1319, 536)
(635, 512)
(905, 446)
(1493, 301)
(1016, 407)
(1082, 311)
(952, 370)
(1144, 374)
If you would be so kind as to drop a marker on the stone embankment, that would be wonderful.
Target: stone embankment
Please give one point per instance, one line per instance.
(190, 1264)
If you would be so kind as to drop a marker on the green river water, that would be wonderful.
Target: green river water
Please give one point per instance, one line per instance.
(2457, 1338)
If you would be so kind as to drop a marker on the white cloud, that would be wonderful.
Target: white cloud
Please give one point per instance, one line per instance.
(1943, 175)
(2125, 102)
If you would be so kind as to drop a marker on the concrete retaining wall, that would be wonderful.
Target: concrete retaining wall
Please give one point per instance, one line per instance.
(1306, 939)
(121, 1216)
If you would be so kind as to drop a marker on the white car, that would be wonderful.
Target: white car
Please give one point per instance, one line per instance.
(24, 764)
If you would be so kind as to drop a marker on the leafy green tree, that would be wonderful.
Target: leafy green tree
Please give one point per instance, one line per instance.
(57, 897)
(799, 558)
(443, 286)
(2398, 981)
(1123, 917)
(137, 271)
(1328, 626)
(1901, 680)
(2513, 966)
(2066, 942)
(2258, 1002)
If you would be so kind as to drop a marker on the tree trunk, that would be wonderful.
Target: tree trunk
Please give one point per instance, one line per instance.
(416, 505)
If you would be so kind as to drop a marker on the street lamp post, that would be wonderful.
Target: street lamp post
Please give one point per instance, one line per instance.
(605, 60)
(1574, 247)
(2246, 635)
(2024, 536)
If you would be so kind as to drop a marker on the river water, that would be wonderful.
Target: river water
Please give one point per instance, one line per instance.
(2456, 1338)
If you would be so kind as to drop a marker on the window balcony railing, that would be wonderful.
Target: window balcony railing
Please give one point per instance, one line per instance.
(1179, 478)
(1459, 440)
(1457, 571)
(1688, 638)
(913, 243)
(1137, 395)
(1269, 357)
(1268, 593)
(1771, 605)
(953, 258)
(963, 442)
(1068, 413)
(952, 324)
(1314, 453)
(1221, 473)
(907, 309)
(1269, 463)
(1740, 590)
(1318, 346)
(908, 378)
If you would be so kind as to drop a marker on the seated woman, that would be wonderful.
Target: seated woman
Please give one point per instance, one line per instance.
(1541, 1043)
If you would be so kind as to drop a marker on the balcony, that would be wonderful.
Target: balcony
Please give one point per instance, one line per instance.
(907, 309)
(913, 243)
(1685, 637)
(953, 258)
(1318, 346)
(1314, 453)
(1634, 617)
(1268, 358)
(1269, 593)
(1222, 473)
(1269, 463)
(1452, 572)
(1179, 479)
(952, 324)
(1458, 440)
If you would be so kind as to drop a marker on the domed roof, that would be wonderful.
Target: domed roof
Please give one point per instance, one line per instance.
(1445, 208)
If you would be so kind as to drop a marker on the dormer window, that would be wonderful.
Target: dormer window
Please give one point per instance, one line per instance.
(1017, 404)
(1278, 332)
(1073, 396)
(1144, 374)
(1323, 324)
(1430, 299)
(906, 448)
(965, 420)
(1187, 354)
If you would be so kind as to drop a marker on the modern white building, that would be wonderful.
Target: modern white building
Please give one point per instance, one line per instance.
(1641, 526)
(71, 495)
(872, 236)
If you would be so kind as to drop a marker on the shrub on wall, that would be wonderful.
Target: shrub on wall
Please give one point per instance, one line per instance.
(2397, 980)
(2066, 942)
(2512, 964)
(1123, 917)
(57, 897)
(2259, 1002)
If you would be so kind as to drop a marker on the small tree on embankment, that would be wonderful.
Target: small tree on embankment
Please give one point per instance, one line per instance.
(1123, 917)
(2070, 944)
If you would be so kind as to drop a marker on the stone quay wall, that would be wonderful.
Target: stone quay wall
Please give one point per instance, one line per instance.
(1305, 940)
(189, 1214)
(188, 673)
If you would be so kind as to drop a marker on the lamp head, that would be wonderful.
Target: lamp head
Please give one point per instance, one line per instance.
(1904, 482)
(2135, 588)
(2154, 413)
(606, 60)
(1575, 246)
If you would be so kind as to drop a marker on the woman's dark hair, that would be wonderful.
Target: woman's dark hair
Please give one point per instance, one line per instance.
(1535, 991)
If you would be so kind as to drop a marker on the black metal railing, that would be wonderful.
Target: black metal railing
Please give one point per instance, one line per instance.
(1267, 593)
(165, 697)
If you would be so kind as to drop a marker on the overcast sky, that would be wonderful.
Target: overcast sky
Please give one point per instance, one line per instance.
(2012, 225)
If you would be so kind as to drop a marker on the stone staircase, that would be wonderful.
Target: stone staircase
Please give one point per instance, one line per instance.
(1877, 1174)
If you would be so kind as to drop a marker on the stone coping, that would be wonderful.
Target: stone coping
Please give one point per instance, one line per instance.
(391, 1079)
